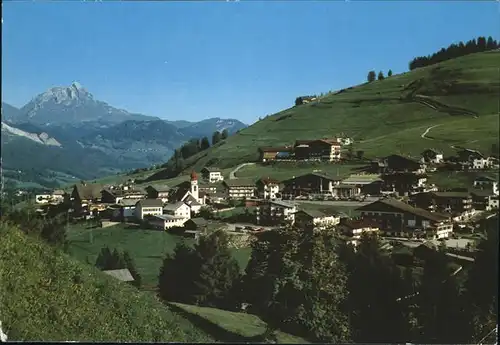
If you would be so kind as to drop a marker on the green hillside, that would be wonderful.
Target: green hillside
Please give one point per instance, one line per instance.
(47, 296)
(386, 116)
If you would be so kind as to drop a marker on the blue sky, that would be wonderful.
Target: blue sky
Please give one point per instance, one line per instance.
(194, 60)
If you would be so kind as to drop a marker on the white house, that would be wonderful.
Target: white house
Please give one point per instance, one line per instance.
(212, 174)
(179, 209)
(166, 221)
(43, 198)
(432, 156)
(481, 163)
(493, 202)
(153, 207)
(355, 227)
(268, 188)
(275, 212)
(316, 219)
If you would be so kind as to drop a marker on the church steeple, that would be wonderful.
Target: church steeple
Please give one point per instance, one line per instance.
(194, 185)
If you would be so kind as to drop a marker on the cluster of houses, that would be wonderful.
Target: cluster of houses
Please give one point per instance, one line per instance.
(328, 150)
(406, 203)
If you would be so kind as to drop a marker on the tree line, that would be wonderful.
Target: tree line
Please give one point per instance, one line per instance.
(176, 163)
(310, 284)
(454, 50)
(115, 260)
(372, 76)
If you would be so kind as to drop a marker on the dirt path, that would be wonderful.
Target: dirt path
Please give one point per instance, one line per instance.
(231, 174)
(423, 135)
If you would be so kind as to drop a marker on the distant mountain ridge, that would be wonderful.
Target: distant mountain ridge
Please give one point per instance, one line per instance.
(66, 124)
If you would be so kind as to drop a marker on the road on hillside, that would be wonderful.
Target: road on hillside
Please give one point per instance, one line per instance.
(235, 170)
(423, 135)
(334, 203)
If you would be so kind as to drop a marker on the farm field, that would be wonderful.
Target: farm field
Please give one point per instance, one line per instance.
(147, 247)
(287, 170)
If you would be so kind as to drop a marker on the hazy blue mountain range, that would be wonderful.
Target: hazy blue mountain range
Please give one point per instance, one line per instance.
(64, 134)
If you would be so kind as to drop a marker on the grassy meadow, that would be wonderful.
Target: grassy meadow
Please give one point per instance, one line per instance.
(147, 247)
(372, 112)
(47, 295)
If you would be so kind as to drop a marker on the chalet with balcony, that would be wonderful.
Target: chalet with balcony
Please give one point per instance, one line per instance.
(397, 218)
(328, 150)
(212, 174)
(404, 183)
(484, 199)
(316, 219)
(398, 164)
(458, 204)
(84, 195)
(368, 184)
(161, 192)
(268, 188)
(240, 188)
(486, 182)
(148, 207)
(346, 191)
(312, 183)
(354, 228)
(275, 213)
(267, 154)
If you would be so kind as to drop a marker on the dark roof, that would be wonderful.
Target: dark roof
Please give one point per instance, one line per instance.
(88, 191)
(486, 178)
(312, 213)
(173, 207)
(199, 221)
(360, 223)
(433, 151)
(150, 203)
(191, 201)
(240, 182)
(451, 194)
(276, 149)
(268, 180)
(159, 188)
(211, 169)
(404, 207)
(481, 192)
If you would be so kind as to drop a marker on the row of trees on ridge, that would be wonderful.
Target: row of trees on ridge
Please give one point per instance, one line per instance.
(454, 50)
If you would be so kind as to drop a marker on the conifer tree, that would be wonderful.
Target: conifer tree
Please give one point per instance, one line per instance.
(130, 264)
(216, 137)
(389, 74)
(204, 144)
(224, 134)
(309, 292)
(371, 76)
(380, 75)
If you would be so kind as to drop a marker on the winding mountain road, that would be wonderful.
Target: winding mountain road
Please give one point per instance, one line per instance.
(232, 175)
(423, 135)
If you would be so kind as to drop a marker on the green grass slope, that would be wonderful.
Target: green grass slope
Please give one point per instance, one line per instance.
(147, 247)
(47, 296)
(385, 116)
(231, 327)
